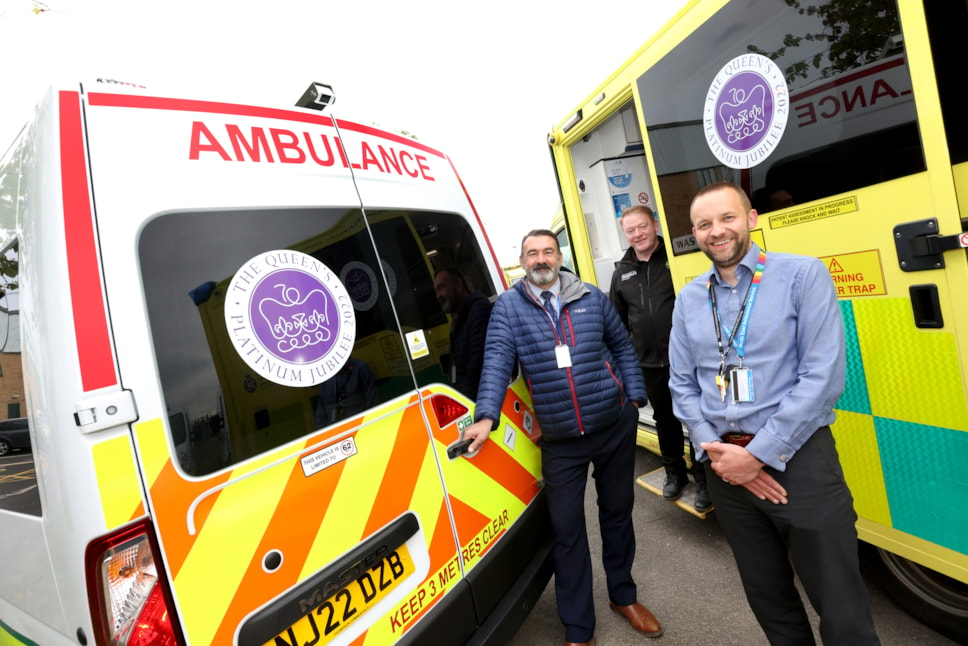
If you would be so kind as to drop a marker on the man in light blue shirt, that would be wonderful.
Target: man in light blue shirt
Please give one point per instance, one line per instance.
(757, 363)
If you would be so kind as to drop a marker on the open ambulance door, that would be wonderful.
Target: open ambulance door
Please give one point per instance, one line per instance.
(845, 125)
(845, 130)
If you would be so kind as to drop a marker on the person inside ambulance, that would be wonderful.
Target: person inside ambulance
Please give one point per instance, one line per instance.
(771, 198)
(470, 310)
(351, 391)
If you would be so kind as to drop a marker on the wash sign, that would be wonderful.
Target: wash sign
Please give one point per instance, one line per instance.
(856, 274)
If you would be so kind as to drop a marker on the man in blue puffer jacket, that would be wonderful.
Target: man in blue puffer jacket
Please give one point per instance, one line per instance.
(586, 385)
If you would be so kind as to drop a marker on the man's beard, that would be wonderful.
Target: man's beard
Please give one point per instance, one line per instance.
(542, 274)
(729, 258)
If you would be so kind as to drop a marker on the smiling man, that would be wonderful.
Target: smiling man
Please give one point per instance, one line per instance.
(757, 363)
(586, 386)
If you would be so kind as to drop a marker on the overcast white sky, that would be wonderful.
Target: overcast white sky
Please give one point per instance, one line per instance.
(483, 82)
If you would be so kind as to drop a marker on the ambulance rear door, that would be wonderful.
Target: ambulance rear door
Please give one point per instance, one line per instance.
(292, 467)
(425, 225)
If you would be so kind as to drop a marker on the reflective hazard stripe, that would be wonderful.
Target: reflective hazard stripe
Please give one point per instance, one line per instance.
(269, 503)
(118, 481)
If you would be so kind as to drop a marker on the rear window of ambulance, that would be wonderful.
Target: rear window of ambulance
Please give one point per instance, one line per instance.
(270, 324)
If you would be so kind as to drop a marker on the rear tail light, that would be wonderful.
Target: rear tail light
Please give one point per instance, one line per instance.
(130, 601)
(446, 409)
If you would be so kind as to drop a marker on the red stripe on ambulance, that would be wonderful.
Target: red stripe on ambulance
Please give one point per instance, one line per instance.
(94, 351)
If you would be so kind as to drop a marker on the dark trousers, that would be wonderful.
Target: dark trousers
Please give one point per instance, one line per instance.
(667, 425)
(816, 532)
(565, 470)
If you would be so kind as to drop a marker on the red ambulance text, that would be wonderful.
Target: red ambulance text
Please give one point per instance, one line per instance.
(287, 147)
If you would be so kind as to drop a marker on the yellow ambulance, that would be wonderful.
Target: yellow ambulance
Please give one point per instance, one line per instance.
(219, 321)
(844, 121)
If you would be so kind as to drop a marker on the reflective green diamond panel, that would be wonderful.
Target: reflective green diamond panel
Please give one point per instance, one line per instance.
(854, 397)
(924, 470)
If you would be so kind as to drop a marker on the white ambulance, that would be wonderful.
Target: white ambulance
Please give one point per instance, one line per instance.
(220, 322)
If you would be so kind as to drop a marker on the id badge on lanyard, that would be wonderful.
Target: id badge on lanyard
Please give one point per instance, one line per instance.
(741, 382)
(736, 381)
(563, 355)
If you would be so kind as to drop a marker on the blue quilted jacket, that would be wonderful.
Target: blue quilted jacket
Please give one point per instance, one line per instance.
(585, 398)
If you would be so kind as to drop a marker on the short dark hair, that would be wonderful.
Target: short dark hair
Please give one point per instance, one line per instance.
(538, 233)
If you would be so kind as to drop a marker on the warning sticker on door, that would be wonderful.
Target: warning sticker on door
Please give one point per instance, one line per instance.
(857, 274)
(814, 213)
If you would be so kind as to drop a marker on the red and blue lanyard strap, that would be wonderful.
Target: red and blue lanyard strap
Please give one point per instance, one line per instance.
(737, 336)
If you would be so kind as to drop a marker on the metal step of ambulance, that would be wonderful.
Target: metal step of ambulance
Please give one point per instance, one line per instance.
(653, 481)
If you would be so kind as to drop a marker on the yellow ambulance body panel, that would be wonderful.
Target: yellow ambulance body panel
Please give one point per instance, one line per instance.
(846, 128)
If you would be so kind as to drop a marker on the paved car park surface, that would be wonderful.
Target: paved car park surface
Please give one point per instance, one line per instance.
(686, 575)
(18, 484)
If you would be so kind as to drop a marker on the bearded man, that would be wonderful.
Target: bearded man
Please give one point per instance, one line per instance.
(586, 386)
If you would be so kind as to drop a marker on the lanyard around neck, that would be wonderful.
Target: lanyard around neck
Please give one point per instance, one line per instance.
(737, 336)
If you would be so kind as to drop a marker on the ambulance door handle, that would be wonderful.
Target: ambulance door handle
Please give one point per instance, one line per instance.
(920, 247)
(458, 448)
(926, 306)
(104, 411)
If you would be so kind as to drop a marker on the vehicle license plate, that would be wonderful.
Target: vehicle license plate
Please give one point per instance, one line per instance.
(333, 615)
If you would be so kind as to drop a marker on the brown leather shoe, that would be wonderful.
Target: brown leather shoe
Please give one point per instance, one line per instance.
(590, 642)
(640, 618)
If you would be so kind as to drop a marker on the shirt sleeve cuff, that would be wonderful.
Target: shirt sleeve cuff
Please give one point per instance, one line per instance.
(704, 432)
(770, 451)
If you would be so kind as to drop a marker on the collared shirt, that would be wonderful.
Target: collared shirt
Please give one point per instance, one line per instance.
(555, 290)
(794, 347)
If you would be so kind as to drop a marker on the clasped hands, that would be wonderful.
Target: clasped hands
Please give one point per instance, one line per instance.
(737, 466)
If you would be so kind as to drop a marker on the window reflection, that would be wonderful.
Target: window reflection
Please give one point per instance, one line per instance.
(852, 121)
(221, 410)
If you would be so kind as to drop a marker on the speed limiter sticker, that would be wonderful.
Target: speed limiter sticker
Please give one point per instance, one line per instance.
(327, 456)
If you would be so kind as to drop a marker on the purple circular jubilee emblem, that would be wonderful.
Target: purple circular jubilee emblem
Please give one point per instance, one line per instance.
(290, 318)
(294, 316)
(746, 111)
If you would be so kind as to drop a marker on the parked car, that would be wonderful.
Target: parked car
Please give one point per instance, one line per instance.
(14, 435)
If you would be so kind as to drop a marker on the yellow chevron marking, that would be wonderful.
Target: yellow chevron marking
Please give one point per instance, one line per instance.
(153, 447)
(428, 495)
(425, 503)
(356, 494)
(117, 479)
(225, 546)
(480, 490)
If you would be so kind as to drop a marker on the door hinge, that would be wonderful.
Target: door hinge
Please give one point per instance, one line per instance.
(104, 411)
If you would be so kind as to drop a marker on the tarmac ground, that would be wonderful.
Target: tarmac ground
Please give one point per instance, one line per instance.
(686, 575)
